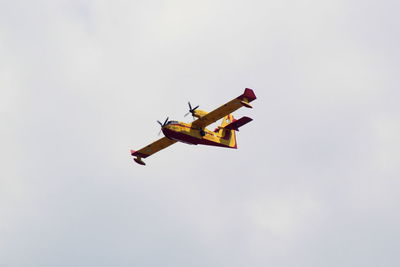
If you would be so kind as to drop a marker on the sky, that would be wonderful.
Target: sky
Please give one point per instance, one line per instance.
(314, 182)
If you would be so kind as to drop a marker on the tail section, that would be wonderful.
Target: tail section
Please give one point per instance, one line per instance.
(228, 136)
(228, 128)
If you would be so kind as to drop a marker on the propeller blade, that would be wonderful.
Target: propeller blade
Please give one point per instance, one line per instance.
(159, 122)
(159, 133)
(166, 120)
(191, 109)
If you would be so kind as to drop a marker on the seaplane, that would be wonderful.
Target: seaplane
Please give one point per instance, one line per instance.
(196, 133)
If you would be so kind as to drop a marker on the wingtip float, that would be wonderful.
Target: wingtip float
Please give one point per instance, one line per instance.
(196, 133)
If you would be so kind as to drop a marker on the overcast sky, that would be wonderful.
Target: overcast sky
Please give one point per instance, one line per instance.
(315, 181)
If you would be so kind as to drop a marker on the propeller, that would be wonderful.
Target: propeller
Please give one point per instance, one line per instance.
(163, 124)
(191, 110)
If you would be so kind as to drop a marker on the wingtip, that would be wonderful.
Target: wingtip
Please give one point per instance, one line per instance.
(249, 94)
(138, 154)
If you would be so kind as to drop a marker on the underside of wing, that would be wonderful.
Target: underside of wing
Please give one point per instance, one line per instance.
(151, 149)
(228, 108)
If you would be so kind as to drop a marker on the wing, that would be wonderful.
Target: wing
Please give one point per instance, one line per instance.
(151, 149)
(228, 108)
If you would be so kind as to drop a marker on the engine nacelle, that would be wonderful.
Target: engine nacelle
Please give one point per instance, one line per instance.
(198, 113)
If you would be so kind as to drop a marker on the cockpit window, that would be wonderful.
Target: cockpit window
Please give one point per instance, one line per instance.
(172, 122)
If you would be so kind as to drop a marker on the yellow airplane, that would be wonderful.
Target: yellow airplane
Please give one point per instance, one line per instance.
(196, 133)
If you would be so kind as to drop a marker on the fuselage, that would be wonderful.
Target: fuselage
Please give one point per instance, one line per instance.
(185, 133)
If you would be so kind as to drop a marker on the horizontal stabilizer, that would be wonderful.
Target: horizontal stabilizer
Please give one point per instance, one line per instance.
(238, 123)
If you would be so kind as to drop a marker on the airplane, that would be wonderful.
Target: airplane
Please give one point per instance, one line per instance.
(196, 133)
